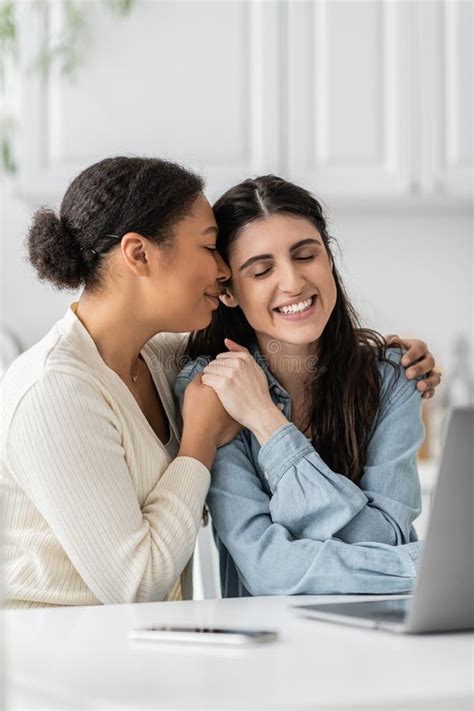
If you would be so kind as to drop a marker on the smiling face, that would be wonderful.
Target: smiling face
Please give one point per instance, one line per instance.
(282, 279)
(186, 279)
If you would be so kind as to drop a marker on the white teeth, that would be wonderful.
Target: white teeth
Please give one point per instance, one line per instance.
(296, 308)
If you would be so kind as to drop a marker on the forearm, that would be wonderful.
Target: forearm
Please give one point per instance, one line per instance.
(333, 567)
(124, 546)
(166, 537)
(307, 498)
(313, 501)
(383, 519)
(339, 568)
(270, 562)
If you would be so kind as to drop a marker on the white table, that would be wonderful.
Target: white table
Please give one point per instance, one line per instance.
(80, 658)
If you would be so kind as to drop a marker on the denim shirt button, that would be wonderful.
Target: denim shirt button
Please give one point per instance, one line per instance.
(277, 391)
(280, 406)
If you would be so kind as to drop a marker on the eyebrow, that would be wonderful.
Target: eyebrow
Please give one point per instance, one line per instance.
(209, 230)
(260, 257)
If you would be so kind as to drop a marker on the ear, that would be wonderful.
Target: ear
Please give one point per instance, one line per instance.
(228, 299)
(135, 250)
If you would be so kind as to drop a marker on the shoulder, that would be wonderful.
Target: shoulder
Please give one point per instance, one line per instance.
(395, 387)
(56, 384)
(188, 372)
(55, 402)
(44, 369)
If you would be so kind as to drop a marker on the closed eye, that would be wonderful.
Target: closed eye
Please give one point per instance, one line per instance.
(265, 271)
(211, 248)
(298, 259)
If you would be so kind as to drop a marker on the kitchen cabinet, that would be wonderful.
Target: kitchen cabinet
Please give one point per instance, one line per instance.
(195, 82)
(359, 100)
(380, 98)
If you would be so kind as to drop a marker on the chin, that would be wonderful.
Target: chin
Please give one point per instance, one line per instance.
(302, 337)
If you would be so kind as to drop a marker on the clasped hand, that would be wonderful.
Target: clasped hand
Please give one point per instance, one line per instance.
(240, 384)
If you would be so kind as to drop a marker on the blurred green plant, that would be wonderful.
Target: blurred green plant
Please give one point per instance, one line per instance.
(8, 44)
(8, 57)
(65, 50)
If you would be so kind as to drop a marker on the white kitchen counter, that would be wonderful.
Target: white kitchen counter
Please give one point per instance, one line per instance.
(80, 658)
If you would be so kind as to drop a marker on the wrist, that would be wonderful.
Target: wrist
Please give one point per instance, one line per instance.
(199, 446)
(269, 422)
(201, 452)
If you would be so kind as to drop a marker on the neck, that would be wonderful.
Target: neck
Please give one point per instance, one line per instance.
(290, 364)
(115, 329)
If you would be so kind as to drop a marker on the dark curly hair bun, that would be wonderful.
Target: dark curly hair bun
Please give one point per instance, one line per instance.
(106, 201)
(53, 251)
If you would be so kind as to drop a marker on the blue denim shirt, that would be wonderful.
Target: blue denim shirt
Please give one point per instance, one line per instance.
(286, 524)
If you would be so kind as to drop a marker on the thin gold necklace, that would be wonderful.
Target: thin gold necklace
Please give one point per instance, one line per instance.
(135, 377)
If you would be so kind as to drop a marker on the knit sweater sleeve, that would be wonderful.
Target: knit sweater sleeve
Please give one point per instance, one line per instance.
(65, 449)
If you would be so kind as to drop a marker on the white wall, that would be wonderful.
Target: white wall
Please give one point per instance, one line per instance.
(27, 307)
(411, 274)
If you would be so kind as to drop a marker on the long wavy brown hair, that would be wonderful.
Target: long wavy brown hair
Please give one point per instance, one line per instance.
(344, 391)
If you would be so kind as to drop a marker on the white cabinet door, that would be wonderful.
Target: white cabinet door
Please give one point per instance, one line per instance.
(349, 94)
(446, 61)
(195, 82)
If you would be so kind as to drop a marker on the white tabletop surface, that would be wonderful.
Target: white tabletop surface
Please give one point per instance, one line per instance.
(80, 658)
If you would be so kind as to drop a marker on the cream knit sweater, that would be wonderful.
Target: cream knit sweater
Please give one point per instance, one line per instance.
(95, 510)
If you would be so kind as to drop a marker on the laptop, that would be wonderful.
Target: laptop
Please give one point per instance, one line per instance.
(443, 600)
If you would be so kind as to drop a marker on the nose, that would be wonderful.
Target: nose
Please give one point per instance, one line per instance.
(291, 280)
(223, 271)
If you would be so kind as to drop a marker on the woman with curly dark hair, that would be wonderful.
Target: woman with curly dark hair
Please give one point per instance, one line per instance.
(102, 492)
(102, 485)
(319, 491)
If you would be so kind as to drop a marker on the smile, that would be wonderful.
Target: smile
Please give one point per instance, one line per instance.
(297, 311)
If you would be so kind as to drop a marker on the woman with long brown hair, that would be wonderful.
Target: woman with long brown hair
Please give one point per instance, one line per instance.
(319, 491)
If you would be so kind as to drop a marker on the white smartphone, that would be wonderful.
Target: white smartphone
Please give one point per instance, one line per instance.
(202, 635)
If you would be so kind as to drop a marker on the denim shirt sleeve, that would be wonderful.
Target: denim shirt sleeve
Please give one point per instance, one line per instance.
(312, 501)
(272, 561)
